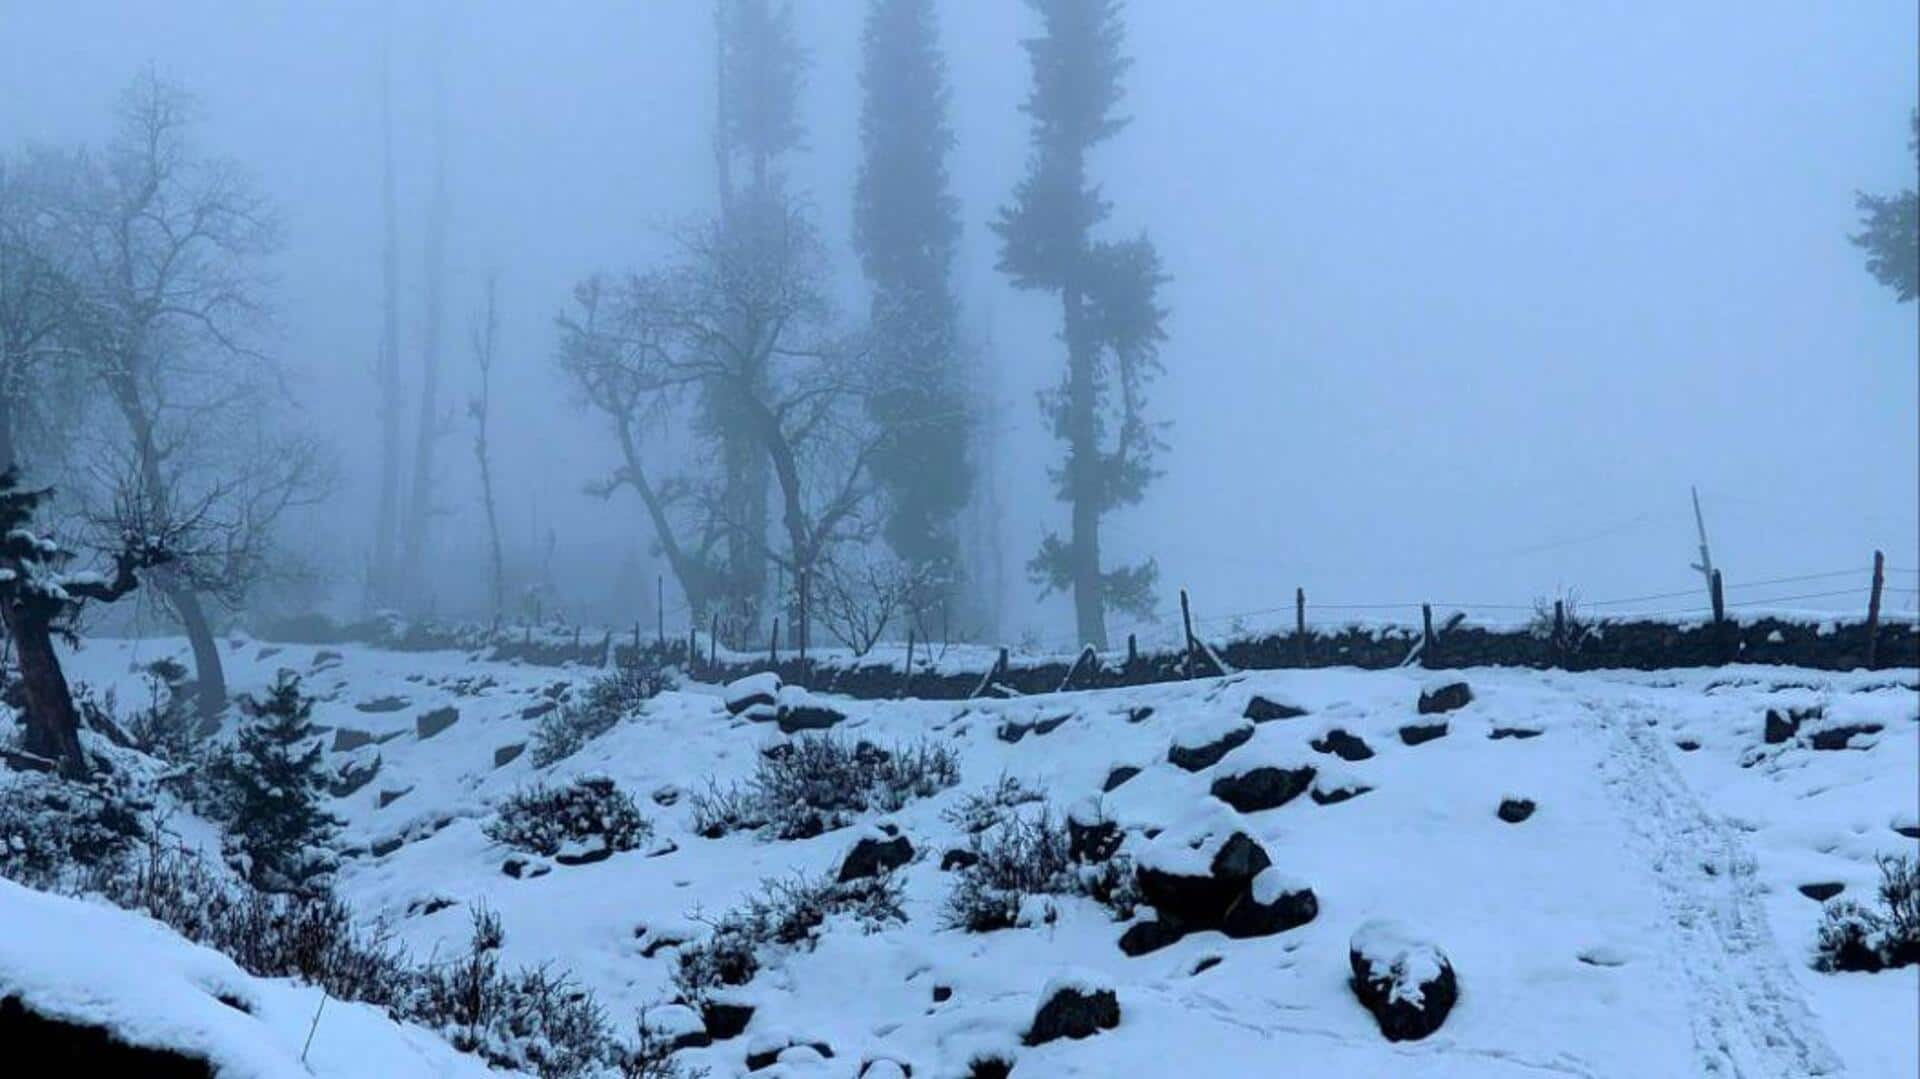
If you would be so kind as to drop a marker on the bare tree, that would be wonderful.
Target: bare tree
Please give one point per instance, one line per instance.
(173, 243)
(420, 509)
(478, 408)
(42, 308)
(862, 593)
(382, 574)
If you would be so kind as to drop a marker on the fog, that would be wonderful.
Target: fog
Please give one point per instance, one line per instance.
(1462, 298)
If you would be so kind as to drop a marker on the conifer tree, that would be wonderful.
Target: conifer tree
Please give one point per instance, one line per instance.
(1109, 296)
(1890, 232)
(906, 229)
(273, 785)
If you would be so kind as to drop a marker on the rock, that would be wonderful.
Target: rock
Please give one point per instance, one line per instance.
(1822, 891)
(1414, 734)
(665, 795)
(1780, 727)
(768, 1050)
(1265, 709)
(354, 773)
(1687, 745)
(884, 1068)
(1407, 983)
(1332, 788)
(1515, 810)
(1051, 723)
(757, 693)
(942, 994)
(677, 1025)
(507, 754)
(1139, 713)
(989, 1066)
(872, 856)
(1347, 747)
(60, 1044)
(378, 705)
(1143, 937)
(1444, 697)
(1274, 903)
(1091, 838)
(432, 722)
(537, 709)
(1837, 737)
(583, 851)
(1262, 785)
(1521, 733)
(797, 710)
(383, 847)
(1203, 744)
(521, 868)
(388, 797)
(1120, 774)
(1073, 1007)
(1012, 731)
(326, 657)
(958, 858)
(1906, 824)
(346, 739)
(1196, 885)
(725, 1018)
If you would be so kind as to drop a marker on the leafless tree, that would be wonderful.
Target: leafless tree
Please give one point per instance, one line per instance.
(484, 334)
(863, 592)
(42, 307)
(415, 525)
(383, 570)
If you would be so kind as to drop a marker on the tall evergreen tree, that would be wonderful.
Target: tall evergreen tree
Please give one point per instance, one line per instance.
(274, 785)
(906, 227)
(1109, 304)
(1890, 232)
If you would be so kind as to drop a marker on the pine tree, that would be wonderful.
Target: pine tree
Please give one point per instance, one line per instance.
(1890, 232)
(1109, 295)
(273, 784)
(906, 229)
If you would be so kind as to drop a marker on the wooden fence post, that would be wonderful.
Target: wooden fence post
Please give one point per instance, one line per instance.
(906, 683)
(1873, 609)
(1300, 623)
(1719, 597)
(773, 646)
(1426, 634)
(1186, 621)
(659, 609)
(1559, 631)
(1133, 652)
(713, 643)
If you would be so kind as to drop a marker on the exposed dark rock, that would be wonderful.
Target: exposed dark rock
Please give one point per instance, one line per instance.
(433, 721)
(1262, 787)
(1408, 984)
(326, 657)
(725, 1019)
(1414, 734)
(1203, 964)
(958, 858)
(1265, 709)
(1195, 757)
(768, 1056)
(597, 850)
(353, 774)
(507, 754)
(942, 994)
(520, 868)
(1823, 891)
(538, 709)
(1838, 737)
(989, 1067)
(388, 797)
(1051, 723)
(665, 795)
(1074, 1011)
(1272, 905)
(1521, 733)
(346, 739)
(1515, 810)
(1139, 713)
(808, 716)
(754, 693)
(885, 1068)
(1780, 726)
(1911, 831)
(871, 856)
(432, 904)
(78, 1048)
(1347, 747)
(1687, 745)
(1120, 774)
(1444, 698)
(1092, 841)
(1202, 902)
(1143, 937)
(1011, 731)
(1326, 795)
(379, 705)
(383, 847)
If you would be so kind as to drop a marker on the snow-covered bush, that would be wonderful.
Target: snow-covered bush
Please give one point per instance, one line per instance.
(272, 788)
(977, 811)
(652, 1056)
(1028, 858)
(588, 811)
(1853, 936)
(603, 704)
(51, 828)
(817, 783)
(164, 728)
(784, 914)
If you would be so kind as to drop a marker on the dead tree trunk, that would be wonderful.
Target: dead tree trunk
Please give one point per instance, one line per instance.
(52, 721)
(381, 576)
(420, 506)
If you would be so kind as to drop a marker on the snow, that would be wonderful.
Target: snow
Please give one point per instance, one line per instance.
(1688, 971)
(87, 963)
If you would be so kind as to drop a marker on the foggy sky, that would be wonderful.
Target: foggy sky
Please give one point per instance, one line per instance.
(1464, 296)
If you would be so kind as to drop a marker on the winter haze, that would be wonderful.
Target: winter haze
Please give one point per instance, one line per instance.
(1462, 297)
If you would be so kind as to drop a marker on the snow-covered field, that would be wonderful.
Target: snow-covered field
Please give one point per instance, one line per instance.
(1646, 920)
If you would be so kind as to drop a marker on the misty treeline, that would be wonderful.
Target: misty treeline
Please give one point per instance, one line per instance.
(804, 473)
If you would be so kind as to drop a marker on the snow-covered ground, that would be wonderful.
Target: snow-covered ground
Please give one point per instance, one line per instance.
(1646, 920)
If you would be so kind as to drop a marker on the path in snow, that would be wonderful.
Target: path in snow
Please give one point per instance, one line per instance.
(1748, 1021)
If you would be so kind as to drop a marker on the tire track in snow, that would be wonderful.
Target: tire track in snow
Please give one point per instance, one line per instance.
(1748, 1018)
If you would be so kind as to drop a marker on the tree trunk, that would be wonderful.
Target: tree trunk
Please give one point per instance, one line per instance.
(1083, 461)
(211, 690)
(53, 724)
(413, 546)
(381, 577)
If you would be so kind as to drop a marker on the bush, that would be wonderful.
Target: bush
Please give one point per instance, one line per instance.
(978, 811)
(1853, 936)
(817, 783)
(590, 811)
(785, 914)
(1023, 858)
(1568, 634)
(652, 1056)
(51, 828)
(603, 704)
(164, 728)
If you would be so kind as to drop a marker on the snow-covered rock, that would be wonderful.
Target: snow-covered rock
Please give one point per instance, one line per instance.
(1406, 982)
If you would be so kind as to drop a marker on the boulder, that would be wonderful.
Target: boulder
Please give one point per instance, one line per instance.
(378, 705)
(797, 710)
(885, 1068)
(1120, 774)
(583, 851)
(1780, 726)
(1414, 734)
(388, 797)
(346, 739)
(1143, 937)
(507, 754)
(758, 694)
(1073, 1007)
(1266, 709)
(433, 721)
(1274, 903)
(873, 855)
(1091, 837)
(354, 773)
(59, 1044)
(1407, 983)
(1347, 747)
(1822, 891)
(1196, 883)
(725, 1018)
(538, 709)
(1839, 736)
(1333, 787)
(1444, 697)
(1203, 744)
(523, 868)
(1515, 810)
(1520, 733)
(1261, 783)
(958, 858)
